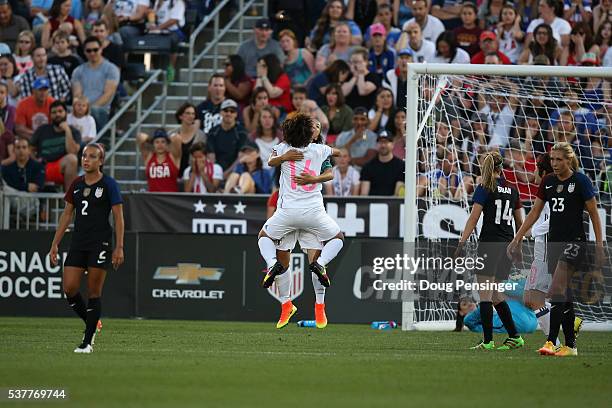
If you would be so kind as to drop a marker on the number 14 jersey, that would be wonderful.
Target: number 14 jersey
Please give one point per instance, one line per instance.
(497, 211)
(292, 195)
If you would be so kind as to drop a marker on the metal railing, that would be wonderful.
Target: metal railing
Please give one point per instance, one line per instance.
(30, 211)
(140, 116)
(217, 35)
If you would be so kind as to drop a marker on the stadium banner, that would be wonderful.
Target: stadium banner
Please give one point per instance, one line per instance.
(362, 217)
(31, 286)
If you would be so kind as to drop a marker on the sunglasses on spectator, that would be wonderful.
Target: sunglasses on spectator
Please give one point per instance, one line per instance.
(88, 50)
(232, 110)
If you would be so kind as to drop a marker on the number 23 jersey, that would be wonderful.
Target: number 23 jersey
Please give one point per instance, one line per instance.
(93, 204)
(566, 201)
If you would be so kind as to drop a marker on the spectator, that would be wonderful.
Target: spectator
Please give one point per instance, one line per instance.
(8, 76)
(447, 51)
(249, 176)
(489, 45)
(267, 134)
(23, 173)
(270, 75)
(209, 111)
(398, 134)
(238, 85)
(298, 62)
(581, 42)
(384, 16)
(362, 12)
(380, 115)
(333, 14)
(469, 32)
(499, 110)
(520, 170)
(607, 59)
(188, 133)
(431, 27)
(23, 53)
(604, 38)
(250, 115)
(226, 139)
(43, 7)
(511, 37)
(60, 19)
(97, 80)
(10, 25)
(337, 73)
(489, 13)
(446, 180)
(62, 55)
(404, 13)
(58, 80)
(563, 129)
(577, 11)
(162, 157)
(112, 23)
(57, 144)
(384, 174)
(111, 51)
(382, 58)
(412, 38)
(291, 15)
(448, 11)
(81, 120)
(360, 141)
(360, 90)
(33, 111)
(169, 18)
(251, 51)
(396, 79)
(340, 47)
(131, 16)
(7, 124)
(548, 14)
(346, 177)
(202, 175)
(300, 103)
(595, 91)
(95, 11)
(601, 13)
(339, 115)
(544, 43)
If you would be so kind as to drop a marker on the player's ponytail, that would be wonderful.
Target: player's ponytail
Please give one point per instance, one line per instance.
(492, 162)
(568, 153)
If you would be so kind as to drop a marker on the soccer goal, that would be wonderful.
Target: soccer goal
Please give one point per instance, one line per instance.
(455, 115)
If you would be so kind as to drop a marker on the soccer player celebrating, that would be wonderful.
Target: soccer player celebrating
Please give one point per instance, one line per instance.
(499, 203)
(91, 197)
(568, 193)
(300, 207)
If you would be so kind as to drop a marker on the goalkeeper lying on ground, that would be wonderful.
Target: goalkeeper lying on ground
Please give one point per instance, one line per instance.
(468, 314)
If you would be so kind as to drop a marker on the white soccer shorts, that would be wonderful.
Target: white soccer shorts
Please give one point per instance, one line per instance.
(307, 240)
(539, 279)
(313, 221)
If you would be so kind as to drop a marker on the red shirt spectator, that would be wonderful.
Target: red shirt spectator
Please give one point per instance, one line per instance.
(33, 111)
(162, 161)
(480, 58)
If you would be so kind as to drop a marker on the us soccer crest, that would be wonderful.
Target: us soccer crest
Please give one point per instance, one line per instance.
(99, 191)
(570, 188)
(297, 266)
(560, 188)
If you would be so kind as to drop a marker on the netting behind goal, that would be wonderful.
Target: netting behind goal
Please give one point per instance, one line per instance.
(461, 117)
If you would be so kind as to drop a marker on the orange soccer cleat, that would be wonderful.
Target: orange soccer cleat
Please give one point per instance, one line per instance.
(287, 310)
(320, 317)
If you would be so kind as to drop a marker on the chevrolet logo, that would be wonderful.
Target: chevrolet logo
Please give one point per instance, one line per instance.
(188, 273)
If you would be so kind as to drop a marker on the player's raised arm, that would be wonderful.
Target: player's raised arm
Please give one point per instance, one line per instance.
(62, 225)
(289, 155)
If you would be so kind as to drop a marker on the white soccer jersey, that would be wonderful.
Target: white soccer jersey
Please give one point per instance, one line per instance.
(292, 195)
(539, 231)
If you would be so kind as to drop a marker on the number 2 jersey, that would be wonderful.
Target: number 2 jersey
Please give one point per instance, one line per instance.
(497, 210)
(93, 204)
(292, 195)
(566, 201)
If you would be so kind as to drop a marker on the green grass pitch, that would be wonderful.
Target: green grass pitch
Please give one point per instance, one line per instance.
(161, 363)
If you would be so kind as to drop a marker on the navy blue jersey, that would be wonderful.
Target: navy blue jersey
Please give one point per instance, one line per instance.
(92, 204)
(566, 201)
(497, 211)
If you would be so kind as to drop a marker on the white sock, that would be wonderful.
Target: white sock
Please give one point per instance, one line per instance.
(319, 289)
(267, 250)
(330, 251)
(543, 315)
(283, 283)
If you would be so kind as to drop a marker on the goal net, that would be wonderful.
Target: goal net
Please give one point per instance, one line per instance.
(458, 113)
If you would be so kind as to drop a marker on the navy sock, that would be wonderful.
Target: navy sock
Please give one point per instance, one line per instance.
(505, 315)
(77, 304)
(556, 314)
(94, 308)
(568, 324)
(486, 317)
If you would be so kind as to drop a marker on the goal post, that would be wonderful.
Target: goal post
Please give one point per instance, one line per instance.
(447, 105)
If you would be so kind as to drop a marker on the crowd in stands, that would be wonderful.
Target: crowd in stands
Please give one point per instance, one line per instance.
(60, 77)
(344, 63)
